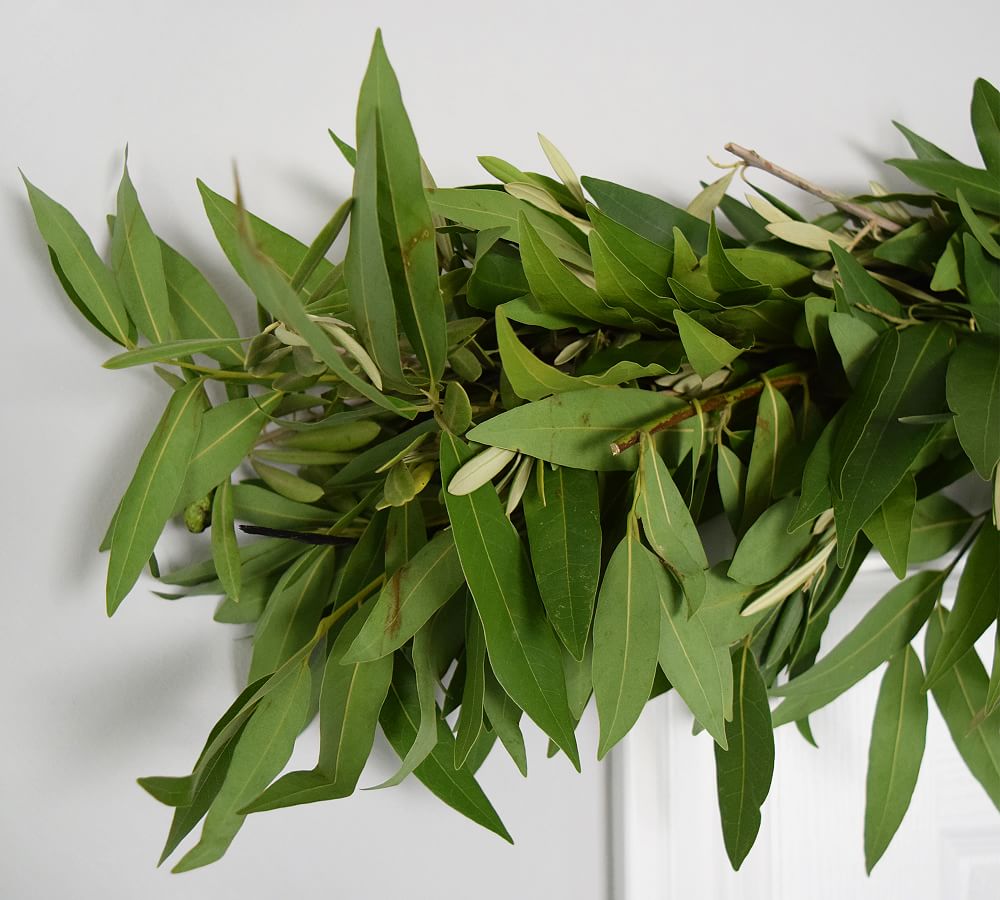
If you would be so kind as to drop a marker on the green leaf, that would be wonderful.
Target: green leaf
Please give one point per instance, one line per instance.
(369, 288)
(646, 263)
(285, 251)
(351, 696)
(973, 387)
(947, 177)
(576, 429)
(887, 627)
(854, 339)
(648, 216)
(860, 289)
(456, 787)
(92, 282)
(921, 147)
(815, 496)
(555, 288)
(960, 695)
(405, 536)
(225, 550)
(169, 351)
(261, 752)
(743, 772)
(904, 376)
(138, 267)
(770, 454)
(666, 519)
(705, 203)
(278, 298)
(731, 476)
(533, 379)
(407, 230)
(938, 525)
(986, 122)
(564, 534)
(149, 500)
(976, 607)
(197, 310)
(723, 274)
(618, 285)
(768, 549)
(982, 284)
(505, 715)
(480, 209)
(523, 650)
(706, 351)
(978, 227)
(899, 732)
(699, 670)
(261, 506)
(457, 410)
(626, 638)
(890, 526)
(293, 611)
(427, 735)
(287, 484)
(228, 432)
(470, 719)
(411, 595)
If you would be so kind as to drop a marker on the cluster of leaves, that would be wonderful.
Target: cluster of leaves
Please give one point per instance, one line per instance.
(483, 444)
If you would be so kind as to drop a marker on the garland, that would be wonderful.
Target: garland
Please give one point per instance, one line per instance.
(476, 453)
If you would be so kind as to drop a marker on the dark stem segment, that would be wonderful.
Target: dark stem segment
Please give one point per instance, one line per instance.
(719, 401)
(306, 537)
(755, 160)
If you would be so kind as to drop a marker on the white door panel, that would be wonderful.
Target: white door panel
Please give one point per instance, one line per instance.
(669, 843)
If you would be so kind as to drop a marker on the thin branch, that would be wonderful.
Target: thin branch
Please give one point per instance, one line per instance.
(753, 159)
(719, 401)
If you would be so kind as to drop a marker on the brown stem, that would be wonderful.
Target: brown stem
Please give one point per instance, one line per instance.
(719, 401)
(755, 160)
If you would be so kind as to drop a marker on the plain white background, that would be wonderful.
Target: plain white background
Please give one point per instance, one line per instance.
(633, 92)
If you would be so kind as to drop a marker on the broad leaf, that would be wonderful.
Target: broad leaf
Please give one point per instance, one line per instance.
(523, 650)
(973, 388)
(564, 534)
(706, 351)
(576, 429)
(626, 638)
(891, 524)
(768, 549)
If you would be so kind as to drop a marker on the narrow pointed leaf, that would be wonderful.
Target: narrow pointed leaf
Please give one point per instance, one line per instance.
(891, 524)
(411, 595)
(149, 499)
(470, 719)
(706, 351)
(743, 772)
(523, 650)
(888, 627)
(896, 751)
(400, 718)
(666, 519)
(225, 550)
(976, 607)
(960, 696)
(83, 269)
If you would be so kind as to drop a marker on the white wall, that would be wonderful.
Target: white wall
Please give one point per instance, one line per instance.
(637, 92)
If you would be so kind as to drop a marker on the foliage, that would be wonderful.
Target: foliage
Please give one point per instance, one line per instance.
(475, 456)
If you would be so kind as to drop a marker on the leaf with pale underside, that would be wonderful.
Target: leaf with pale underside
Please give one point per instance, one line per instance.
(626, 638)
